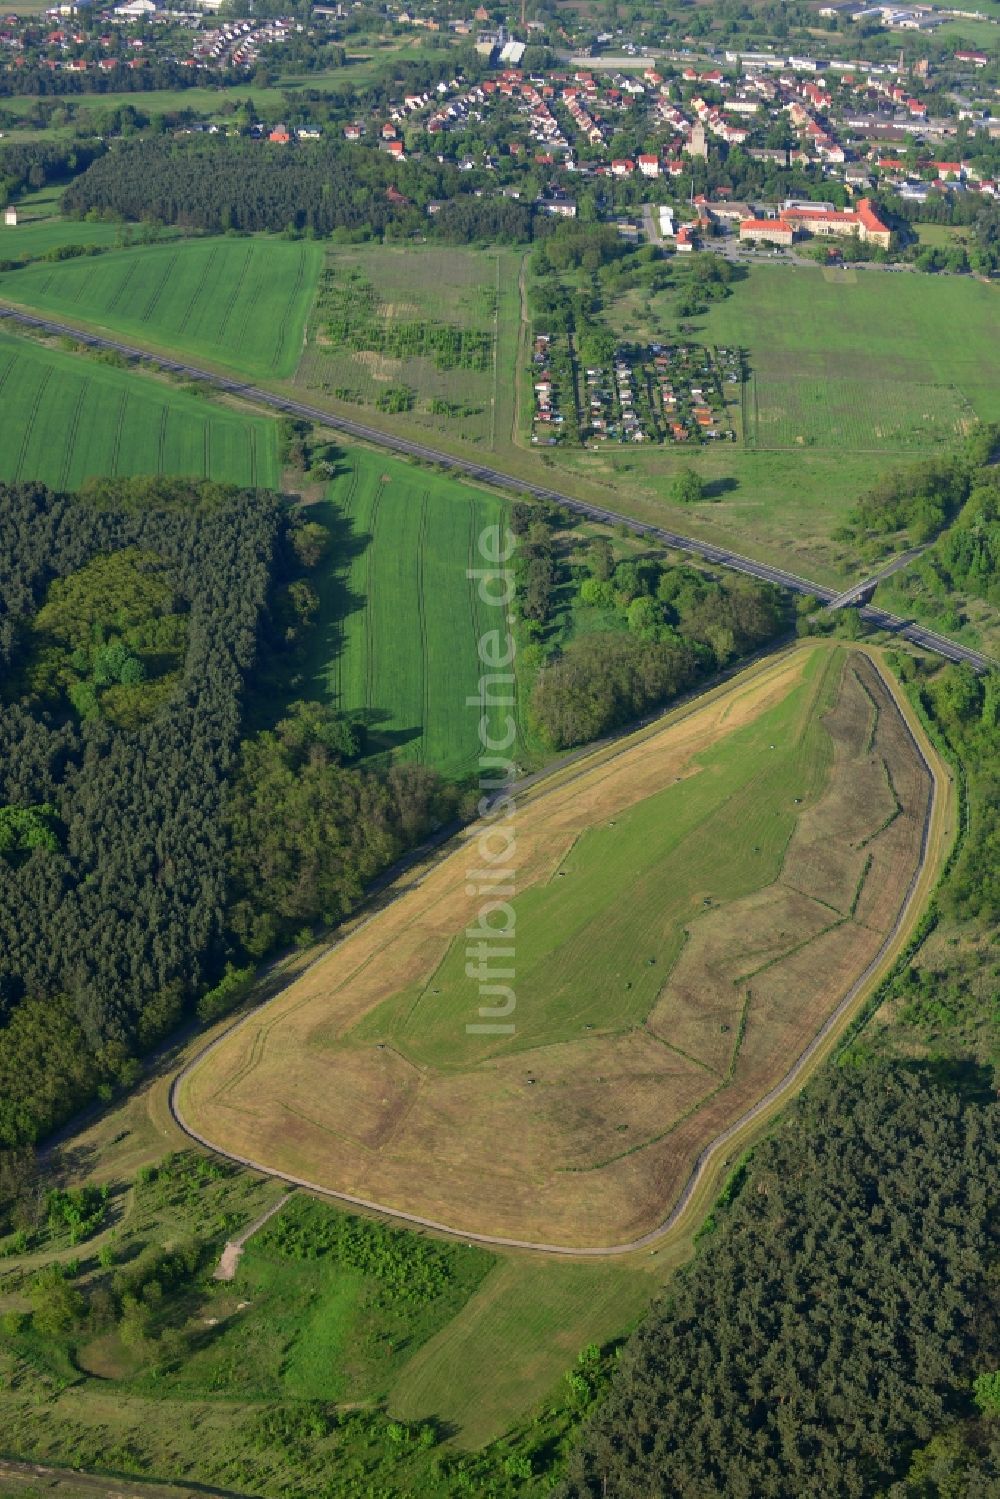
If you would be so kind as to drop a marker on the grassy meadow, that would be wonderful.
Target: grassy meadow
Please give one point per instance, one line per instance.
(236, 302)
(399, 624)
(861, 359)
(64, 419)
(525, 1324)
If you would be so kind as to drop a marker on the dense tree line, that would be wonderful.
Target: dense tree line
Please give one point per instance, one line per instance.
(28, 165)
(834, 1319)
(605, 680)
(310, 187)
(966, 709)
(307, 831)
(145, 842)
(923, 497)
(464, 220)
(964, 560)
(651, 628)
(159, 73)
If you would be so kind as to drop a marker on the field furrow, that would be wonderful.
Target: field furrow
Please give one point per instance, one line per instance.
(45, 377)
(63, 419)
(74, 427)
(166, 274)
(241, 302)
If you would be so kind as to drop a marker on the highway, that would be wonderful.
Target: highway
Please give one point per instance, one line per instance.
(705, 551)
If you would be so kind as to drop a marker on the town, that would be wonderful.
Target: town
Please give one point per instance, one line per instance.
(763, 146)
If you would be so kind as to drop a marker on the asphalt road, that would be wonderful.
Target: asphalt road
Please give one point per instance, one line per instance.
(719, 556)
(861, 592)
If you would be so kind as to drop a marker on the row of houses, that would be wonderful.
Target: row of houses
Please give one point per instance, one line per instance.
(547, 418)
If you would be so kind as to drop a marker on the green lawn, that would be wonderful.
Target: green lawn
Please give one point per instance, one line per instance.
(637, 881)
(400, 621)
(238, 302)
(943, 236)
(64, 418)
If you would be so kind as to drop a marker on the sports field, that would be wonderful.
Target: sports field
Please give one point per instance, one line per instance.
(64, 419)
(688, 912)
(424, 332)
(861, 360)
(238, 302)
(400, 620)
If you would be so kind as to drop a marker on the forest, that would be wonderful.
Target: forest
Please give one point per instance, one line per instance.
(147, 842)
(648, 629)
(307, 187)
(834, 1318)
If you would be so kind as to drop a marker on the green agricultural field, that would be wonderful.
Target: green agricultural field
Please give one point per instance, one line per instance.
(426, 333)
(64, 419)
(396, 642)
(34, 235)
(867, 360)
(235, 302)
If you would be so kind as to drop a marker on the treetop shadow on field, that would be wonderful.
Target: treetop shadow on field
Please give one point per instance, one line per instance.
(310, 673)
(285, 678)
(714, 489)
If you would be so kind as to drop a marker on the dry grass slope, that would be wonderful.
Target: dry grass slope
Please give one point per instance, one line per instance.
(690, 912)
